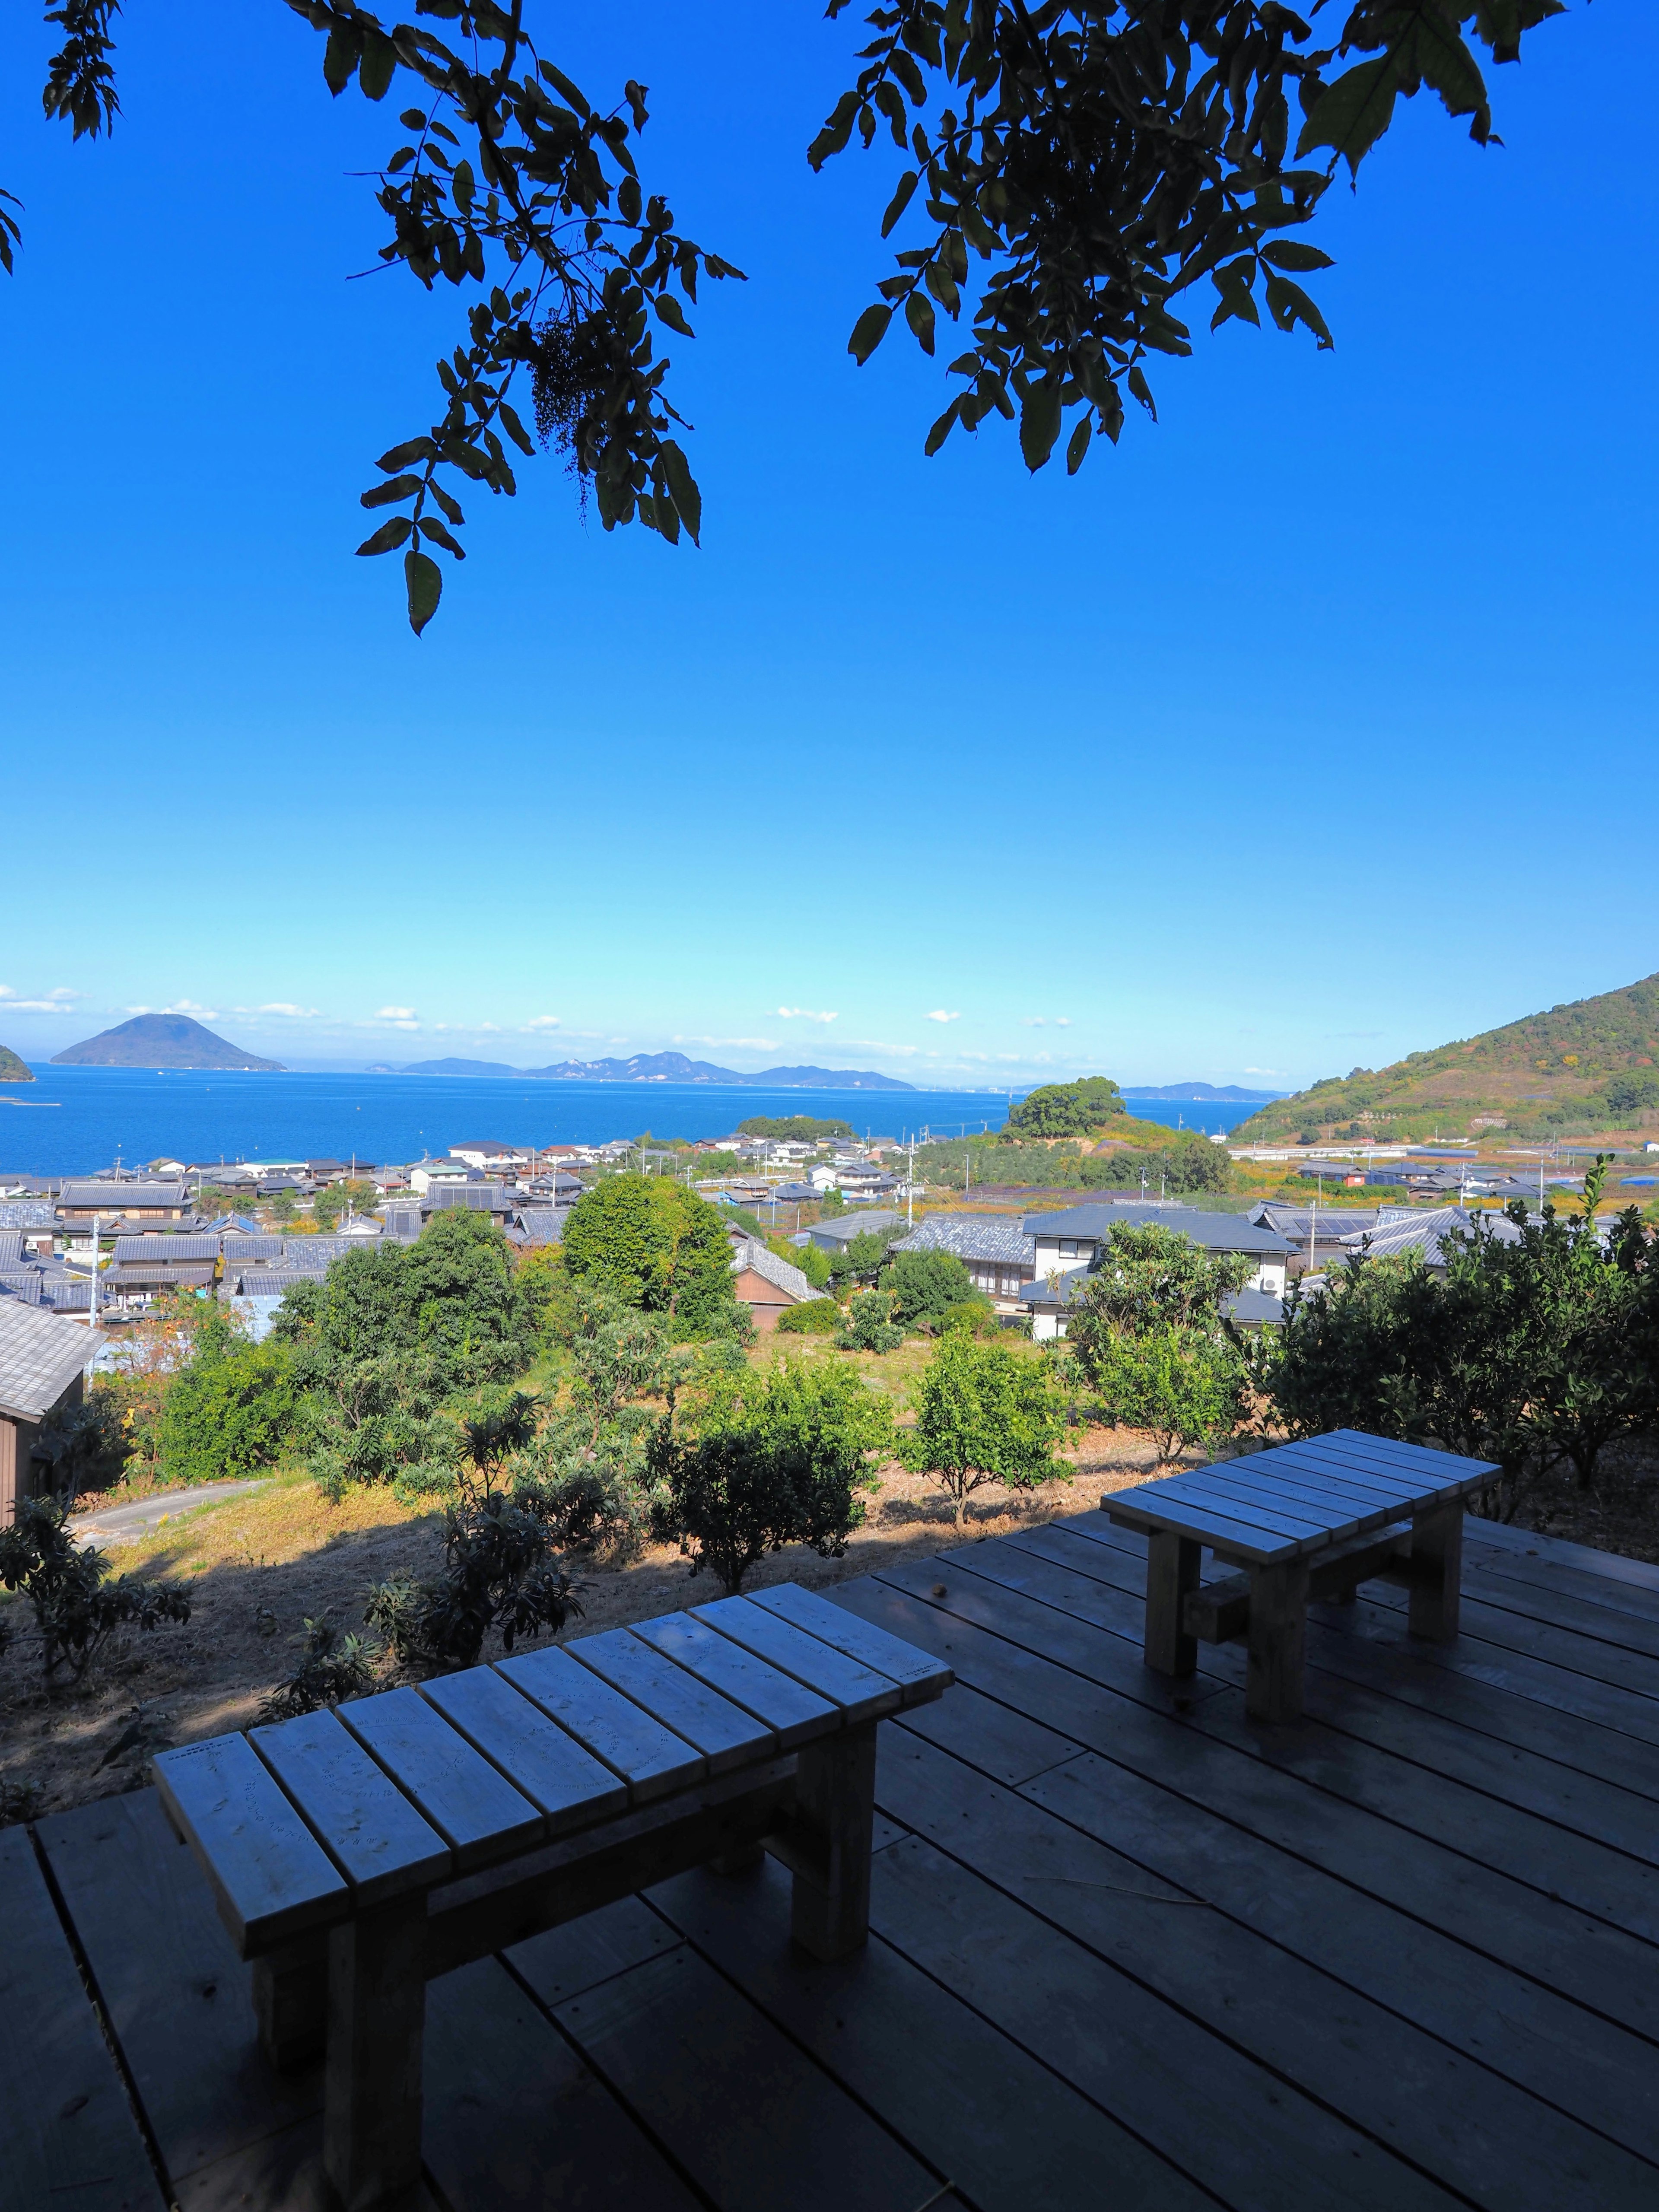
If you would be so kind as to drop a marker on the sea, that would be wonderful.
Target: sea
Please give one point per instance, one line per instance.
(74, 1120)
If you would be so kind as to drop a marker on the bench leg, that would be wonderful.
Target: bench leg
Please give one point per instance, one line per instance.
(290, 2002)
(836, 1811)
(1436, 1558)
(1172, 1569)
(1277, 1640)
(376, 2015)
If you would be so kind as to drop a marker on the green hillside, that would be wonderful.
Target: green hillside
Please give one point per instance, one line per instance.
(1585, 1067)
(13, 1070)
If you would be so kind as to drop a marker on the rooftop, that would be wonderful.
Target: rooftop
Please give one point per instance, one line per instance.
(1220, 1232)
(40, 1355)
(1130, 1952)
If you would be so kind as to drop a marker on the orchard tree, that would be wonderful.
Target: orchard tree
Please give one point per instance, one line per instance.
(1073, 171)
(985, 1413)
(659, 1246)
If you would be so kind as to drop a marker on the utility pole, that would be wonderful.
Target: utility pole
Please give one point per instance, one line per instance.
(1313, 1231)
(96, 1224)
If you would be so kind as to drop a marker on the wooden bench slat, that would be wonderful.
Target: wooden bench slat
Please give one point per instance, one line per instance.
(1303, 1476)
(1422, 1486)
(726, 1735)
(792, 1713)
(1400, 1482)
(861, 1693)
(1294, 1487)
(568, 1784)
(374, 1834)
(478, 1812)
(1243, 1503)
(1437, 1472)
(919, 1674)
(651, 1759)
(1233, 1539)
(1423, 1456)
(271, 1879)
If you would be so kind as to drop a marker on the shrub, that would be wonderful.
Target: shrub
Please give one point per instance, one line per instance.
(500, 1573)
(658, 1247)
(87, 1446)
(925, 1285)
(811, 1317)
(985, 1413)
(230, 1411)
(75, 1605)
(869, 1325)
(975, 1316)
(777, 1461)
(331, 1667)
(859, 1259)
(811, 1259)
(1184, 1386)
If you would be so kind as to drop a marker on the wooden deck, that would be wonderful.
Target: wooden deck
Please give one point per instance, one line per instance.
(1130, 1950)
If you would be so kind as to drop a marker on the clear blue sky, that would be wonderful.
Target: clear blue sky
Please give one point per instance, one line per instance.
(1313, 725)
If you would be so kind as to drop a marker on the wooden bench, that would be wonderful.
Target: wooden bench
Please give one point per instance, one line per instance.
(1307, 1522)
(359, 1852)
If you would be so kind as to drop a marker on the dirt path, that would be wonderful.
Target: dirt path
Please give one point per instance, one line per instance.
(130, 1524)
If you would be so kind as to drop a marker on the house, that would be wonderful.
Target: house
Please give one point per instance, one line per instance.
(839, 1230)
(1422, 1233)
(1065, 1244)
(402, 1225)
(426, 1173)
(146, 1204)
(538, 1225)
(994, 1248)
(143, 1267)
(43, 1363)
(256, 1293)
(485, 1154)
(765, 1284)
(1327, 1225)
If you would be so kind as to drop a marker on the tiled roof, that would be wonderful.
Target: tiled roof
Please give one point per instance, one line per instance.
(28, 1213)
(159, 1275)
(1216, 1232)
(40, 1355)
(243, 1251)
(66, 1293)
(149, 1251)
(842, 1228)
(22, 1283)
(274, 1282)
(1294, 1221)
(476, 1197)
(543, 1224)
(751, 1253)
(994, 1237)
(122, 1197)
(11, 1248)
(1254, 1309)
(1423, 1234)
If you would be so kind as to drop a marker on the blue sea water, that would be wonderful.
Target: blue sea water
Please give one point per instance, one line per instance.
(71, 1120)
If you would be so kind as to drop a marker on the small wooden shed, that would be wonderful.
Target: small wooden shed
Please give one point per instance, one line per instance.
(43, 1363)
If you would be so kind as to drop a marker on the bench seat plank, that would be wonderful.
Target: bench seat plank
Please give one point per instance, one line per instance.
(1300, 1488)
(1432, 1462)
(726, 1735)
(651, 1759)
(792, 1713)
(477, 1811)
(271, 1879)
(1386, 1479)
(1253, 1505)
(1143, 1508)
(919, 1674)
(370, 1828)
(861, 1693)
(1357, 1491)
(568, 1784)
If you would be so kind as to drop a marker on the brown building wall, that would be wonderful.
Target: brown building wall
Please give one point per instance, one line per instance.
(763, 1299)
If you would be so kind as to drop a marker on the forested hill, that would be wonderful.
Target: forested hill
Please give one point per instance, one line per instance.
(1591, 1064)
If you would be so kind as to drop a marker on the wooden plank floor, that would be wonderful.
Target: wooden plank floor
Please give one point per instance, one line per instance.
(1130, 1948)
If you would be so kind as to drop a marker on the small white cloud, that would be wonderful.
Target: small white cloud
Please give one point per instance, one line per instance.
(395, 1014)
(878, 1044)
(1264, 1071)
(290, 1011)
(1033, 1022)
(803, 1014)
(938, 1014)
(1062, 1021)
(541, 1021)
(190, 1006)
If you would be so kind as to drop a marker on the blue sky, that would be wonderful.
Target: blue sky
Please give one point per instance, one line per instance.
(1313, 725)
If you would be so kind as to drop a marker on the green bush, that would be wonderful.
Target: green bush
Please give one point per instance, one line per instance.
(811, 1259)
(659, 1246)
(76, 1605)
(501, 1573)
(1184, 1386)
(230, 1411)
(925, 1285)
(811, 1317)
(985, 1413)
(869, 1326)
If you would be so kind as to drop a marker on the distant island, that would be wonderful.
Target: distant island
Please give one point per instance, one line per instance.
(1199, 1091)
(665, 1067)
(162, 1040)
(13, 1070)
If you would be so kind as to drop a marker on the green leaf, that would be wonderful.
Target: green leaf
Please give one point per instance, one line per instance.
(427, 527)
(1351, 115)
(1077, 445)
(919, 314)
(412, 449)
(900, 201)
(1287, 253)
(941, 429)
(562, 84)
(1143, 391)
(379, 65)
(868, 332)
(452, 506)
(389, 536)
(340, 56)
(1039, 422)
(515, 428)
(670, 311)
(382, 495)
(682, 486)
(423, 581)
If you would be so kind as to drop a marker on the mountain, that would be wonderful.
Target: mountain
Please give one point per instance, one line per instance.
(13, 1070)
(1196, 1091)
(162, 1040)
(668, 1067)
(1588, 1066)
